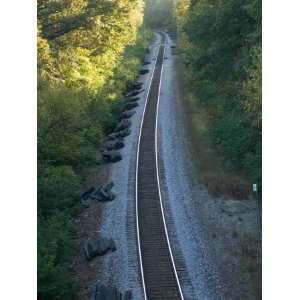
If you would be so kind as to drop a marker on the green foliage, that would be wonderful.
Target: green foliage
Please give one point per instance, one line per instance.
(89, 52)
(70, 125)
(159, 14)
(58, 189)
(55, 245)
(252, 88)
(80, 41)
(221, 42)
(62, 116)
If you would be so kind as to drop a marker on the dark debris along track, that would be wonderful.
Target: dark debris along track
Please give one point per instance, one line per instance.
(158, 271)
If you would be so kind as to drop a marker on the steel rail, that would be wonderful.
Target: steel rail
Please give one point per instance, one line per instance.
(158, 271)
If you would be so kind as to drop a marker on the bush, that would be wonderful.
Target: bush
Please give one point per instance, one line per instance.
(64, 123)
(58, 189)
(55, 245)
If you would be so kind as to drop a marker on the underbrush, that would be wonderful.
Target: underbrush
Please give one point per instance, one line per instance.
(56, 240)
(226, 145)
(220, 179)
(250, 253)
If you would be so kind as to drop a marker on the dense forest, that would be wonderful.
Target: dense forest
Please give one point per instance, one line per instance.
(220, 43)
(160, 14)
(89, 52)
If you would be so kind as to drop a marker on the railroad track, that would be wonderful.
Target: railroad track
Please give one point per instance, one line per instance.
(158, 270)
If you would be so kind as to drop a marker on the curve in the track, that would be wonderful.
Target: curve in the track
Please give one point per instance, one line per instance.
(158, 270)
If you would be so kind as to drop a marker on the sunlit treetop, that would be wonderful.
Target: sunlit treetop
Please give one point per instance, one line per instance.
(79, 40)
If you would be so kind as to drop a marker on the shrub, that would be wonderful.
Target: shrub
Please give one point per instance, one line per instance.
(58, 189)
(55, 245)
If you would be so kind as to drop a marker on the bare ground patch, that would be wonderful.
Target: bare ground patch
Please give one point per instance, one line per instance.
(88, 227)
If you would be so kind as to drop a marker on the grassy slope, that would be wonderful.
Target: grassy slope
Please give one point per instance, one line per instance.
(212, 170)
